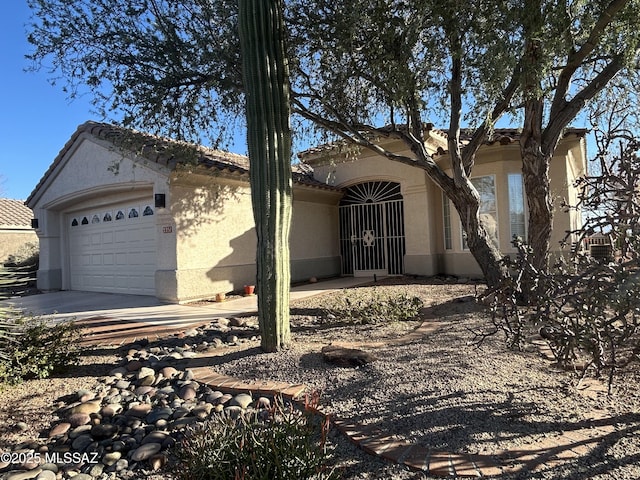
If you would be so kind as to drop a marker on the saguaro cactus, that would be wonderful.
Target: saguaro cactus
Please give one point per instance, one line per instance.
(266, 81)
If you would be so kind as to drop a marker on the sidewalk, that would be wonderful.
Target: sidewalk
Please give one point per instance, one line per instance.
(123, 318)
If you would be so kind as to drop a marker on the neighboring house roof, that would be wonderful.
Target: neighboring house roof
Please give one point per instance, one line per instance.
(14, 214)
(169, 153)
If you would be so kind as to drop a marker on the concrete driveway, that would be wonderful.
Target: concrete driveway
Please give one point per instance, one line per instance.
(136, 308)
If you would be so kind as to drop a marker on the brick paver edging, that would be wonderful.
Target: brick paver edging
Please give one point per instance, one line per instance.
(541, 455)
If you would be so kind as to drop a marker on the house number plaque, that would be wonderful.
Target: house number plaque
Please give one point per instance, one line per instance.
(167, 229)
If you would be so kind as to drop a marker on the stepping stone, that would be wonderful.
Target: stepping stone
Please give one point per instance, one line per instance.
(60, 429)
(346, 357)
(87, 407)
(77, 419)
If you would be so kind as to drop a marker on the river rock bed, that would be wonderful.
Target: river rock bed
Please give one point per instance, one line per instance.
(128, 425)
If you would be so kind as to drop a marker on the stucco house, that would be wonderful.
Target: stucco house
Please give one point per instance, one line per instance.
(416, 229)
(124, 212)
(15, 228)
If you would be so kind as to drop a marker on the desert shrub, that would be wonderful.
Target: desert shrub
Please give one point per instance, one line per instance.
(374, 307)
(28, 255)
(9, 334)
(280, 443)
(18, 278)
(34, 349)
(10, 282)
(29, 347)
(588, 309)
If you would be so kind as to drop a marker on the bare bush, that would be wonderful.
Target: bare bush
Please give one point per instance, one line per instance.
(587, 307)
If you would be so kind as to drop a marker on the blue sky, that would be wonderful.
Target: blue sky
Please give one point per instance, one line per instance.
(36, 119)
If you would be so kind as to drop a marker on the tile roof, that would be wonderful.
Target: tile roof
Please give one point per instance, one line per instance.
(14, 213)
(504, 136)
(167, 152)
(342, 145)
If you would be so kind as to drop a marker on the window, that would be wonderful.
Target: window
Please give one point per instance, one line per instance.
(147, 211)
(85, 221)
(119, 215)
(517, 213)
(74, 222)
(133, 213)
(107, 217)
(446, 215)
(486, 187)
(95, 219)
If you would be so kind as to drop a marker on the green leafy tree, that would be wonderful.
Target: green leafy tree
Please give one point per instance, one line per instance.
(572, 52)
(588, 303)
(408, 63)
(383, 70)
(174, 66)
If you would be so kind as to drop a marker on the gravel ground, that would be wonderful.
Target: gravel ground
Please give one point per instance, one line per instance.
(446, 392)
(32, 404)
(443, 392)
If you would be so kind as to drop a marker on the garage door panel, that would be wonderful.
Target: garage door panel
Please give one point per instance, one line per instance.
(122, 259)
(117, 256)
(121, 236)
(147, 258)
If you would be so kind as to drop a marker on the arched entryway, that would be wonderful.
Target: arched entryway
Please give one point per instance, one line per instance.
(372, 229)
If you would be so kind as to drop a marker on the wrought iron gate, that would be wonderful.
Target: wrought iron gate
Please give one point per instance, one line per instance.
(372, 229)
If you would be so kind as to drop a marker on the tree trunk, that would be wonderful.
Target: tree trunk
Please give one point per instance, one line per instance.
(479, 241)
(535, 161)
(535, 168)
(266, 80)
(535, 173)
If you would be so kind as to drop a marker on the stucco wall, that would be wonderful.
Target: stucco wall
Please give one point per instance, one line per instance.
(424, 223)
(314, 240)
(91, 173)
(214, 237)
(90, 168)
(418, 193)
(216, 243)
(500, 161)
(567, 166)
(206, 240)
(12, 241)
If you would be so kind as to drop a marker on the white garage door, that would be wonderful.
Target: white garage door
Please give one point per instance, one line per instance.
(113, 250)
